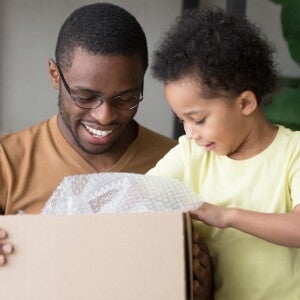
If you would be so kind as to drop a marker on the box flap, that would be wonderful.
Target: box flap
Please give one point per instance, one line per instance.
(189, 256)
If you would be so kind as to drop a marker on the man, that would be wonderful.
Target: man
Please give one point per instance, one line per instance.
(100, 61)
(101, 58)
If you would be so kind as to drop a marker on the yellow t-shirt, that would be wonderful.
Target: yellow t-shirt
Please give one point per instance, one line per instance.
(34, 161)
(245, 267)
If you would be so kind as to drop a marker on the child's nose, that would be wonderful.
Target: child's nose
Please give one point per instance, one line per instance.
(191, 132)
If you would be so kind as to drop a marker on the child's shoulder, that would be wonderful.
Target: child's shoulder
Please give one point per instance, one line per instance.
(288, 138)
(288, 134)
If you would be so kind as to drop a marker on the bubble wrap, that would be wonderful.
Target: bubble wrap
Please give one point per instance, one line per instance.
(119, 192)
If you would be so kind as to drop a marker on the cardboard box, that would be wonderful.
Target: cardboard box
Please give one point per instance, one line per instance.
(118, 256)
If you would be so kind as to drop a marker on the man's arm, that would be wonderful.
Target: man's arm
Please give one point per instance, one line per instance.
(281, 229)
(5, 248)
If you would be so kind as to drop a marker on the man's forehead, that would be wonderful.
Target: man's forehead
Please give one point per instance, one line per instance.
(82, 56)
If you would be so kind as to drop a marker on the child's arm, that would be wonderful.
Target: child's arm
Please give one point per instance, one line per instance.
(5, 248)
(281, 229)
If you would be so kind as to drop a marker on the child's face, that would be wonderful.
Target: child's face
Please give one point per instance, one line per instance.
(216, 124)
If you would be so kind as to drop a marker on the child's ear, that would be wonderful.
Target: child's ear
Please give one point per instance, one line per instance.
(54, 74)
(247, 102)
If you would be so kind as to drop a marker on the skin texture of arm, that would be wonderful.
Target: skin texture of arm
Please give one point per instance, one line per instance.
(281, 229)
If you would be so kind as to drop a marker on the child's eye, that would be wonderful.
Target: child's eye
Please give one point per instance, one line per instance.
(198, 122)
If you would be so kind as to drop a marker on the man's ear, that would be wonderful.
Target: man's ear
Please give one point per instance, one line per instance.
(54, 74)
(248, 102)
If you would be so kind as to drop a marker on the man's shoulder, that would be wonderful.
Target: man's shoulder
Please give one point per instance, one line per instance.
(147, 149)
(25, 136)
(157, 139)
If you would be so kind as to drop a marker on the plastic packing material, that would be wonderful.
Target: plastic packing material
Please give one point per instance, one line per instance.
(119, 193)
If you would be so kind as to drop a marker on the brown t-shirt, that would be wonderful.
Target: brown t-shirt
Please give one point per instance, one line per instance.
(34, 161)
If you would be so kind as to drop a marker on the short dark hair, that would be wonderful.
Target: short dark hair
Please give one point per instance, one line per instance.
(101, 29)
(225, 53)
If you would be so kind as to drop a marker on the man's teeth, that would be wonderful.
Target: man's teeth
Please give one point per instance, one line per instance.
(97, 132)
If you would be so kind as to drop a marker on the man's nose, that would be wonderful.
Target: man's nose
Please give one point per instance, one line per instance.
(105, 114)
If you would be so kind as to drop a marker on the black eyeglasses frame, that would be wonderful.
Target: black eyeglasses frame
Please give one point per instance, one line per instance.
(100, 99)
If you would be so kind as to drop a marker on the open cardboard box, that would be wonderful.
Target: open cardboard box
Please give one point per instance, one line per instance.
(103, 256)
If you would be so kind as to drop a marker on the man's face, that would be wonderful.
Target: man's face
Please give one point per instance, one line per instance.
(98, 130)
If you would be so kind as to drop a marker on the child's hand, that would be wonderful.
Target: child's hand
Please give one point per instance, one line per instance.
(5, 248)
(212, 215)
(203, 282)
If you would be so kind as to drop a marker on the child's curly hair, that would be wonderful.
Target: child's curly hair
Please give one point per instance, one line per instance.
(224, 53)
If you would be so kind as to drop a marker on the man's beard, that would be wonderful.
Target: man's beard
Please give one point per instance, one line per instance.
(67, 122)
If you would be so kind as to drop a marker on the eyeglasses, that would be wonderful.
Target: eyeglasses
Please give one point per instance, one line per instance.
(120, 102)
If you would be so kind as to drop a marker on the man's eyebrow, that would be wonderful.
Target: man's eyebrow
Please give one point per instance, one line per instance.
(130, 90)
(87, 90)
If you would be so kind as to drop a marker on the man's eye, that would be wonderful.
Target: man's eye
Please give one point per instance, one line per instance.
(85, 99)
(125, 99)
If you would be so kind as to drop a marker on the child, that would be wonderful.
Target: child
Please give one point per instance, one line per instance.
(218, 72)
